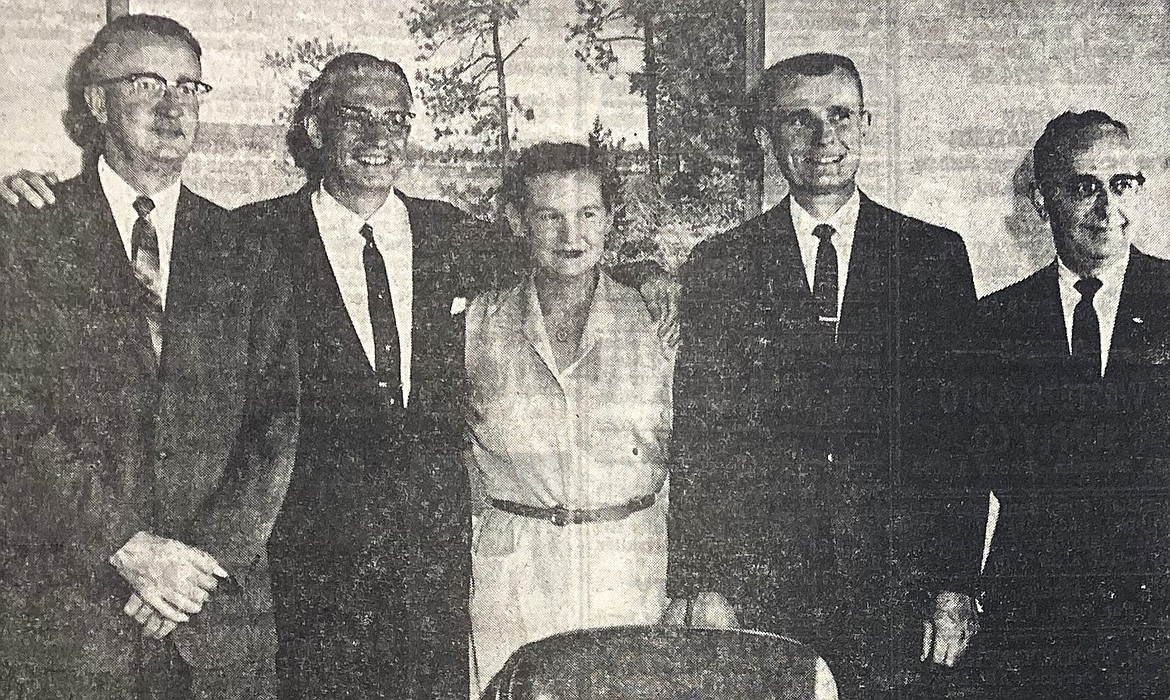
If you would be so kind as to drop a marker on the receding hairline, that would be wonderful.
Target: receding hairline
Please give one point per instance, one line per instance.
(123, 37)
(1069, 135)
(354, 67)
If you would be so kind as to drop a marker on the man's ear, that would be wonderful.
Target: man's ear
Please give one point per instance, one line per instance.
(1038, 202)
(866, 121)
(95, 100)
(313, 130)
(515, 220)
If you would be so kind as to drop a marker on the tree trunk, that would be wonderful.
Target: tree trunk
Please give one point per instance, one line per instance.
(502, 114)
(501, 93)
(650, 61)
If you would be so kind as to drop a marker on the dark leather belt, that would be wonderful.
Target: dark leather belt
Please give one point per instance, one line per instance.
(561, 516)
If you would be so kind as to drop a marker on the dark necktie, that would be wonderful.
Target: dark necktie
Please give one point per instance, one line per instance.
(145, 258)
(1086, 329)
(386, 353)
(825, 278)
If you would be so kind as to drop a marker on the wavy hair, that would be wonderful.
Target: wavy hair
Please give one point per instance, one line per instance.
(319, 94)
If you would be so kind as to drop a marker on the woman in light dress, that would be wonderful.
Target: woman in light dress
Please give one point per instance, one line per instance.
(570, 389)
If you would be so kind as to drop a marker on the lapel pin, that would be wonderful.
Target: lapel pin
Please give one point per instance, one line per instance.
(1138, 319)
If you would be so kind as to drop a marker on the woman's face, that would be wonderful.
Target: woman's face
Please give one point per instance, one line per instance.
(567, 223)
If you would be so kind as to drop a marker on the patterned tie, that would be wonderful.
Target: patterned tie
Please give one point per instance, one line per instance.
(825, 277)
(387, 367)
(1086, 331)
(145, 258)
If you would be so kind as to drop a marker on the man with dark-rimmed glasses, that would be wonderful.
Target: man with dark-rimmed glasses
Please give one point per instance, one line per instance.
(1070, 411)
(148, 402)
(371, 554)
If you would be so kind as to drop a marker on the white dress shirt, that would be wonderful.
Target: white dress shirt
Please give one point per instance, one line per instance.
(1105, 302)
(121, 198)
(844, 222)
(341, 233)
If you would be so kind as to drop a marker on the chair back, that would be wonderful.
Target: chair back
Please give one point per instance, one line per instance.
(660, 663)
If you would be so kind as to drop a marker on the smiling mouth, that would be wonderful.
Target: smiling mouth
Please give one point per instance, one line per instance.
(570, 254)
(826, 160)
(372, 161)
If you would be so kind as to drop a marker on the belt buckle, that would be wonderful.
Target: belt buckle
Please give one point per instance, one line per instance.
(558, 515)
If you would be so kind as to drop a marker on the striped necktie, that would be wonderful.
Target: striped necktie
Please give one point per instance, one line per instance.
(145, 258)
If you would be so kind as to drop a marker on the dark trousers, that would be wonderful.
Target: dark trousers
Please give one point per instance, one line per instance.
(162, 674)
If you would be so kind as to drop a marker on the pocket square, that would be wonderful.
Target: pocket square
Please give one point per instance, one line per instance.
(458, 305)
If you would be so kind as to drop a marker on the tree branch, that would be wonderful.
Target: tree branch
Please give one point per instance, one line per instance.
(514, 50)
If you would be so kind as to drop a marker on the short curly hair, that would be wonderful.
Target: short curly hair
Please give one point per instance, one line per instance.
(319, 93)
(560, 157)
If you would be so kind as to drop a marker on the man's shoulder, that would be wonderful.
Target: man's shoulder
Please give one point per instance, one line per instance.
(436, 208)
(200, 204)
(448, 227)
(1152, 273)
(27, 230)
(734, 248)
(1018, 297)
(911, 230)
(283, 206)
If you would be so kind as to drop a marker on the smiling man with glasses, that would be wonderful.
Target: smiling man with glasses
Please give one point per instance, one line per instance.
(148, 407)
(371, 553)
(1077, 600)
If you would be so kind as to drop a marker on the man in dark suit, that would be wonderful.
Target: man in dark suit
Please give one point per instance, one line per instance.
(1071, 408)
(371, 554)
(811, 338)
(149, 407)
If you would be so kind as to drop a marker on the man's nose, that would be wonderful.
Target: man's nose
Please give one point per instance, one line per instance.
(170, 104)
(380, 133)
(823, 131)
(1113, 209)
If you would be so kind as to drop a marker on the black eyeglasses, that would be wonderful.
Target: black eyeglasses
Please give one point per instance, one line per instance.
(395, 121)
(1089, 187)
(154, 85)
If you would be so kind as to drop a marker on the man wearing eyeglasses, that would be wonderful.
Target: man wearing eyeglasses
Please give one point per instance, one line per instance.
(371, 553)
(1071, 408)
(149, 406)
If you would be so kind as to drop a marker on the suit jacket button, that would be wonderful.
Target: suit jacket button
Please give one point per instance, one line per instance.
(162, 455)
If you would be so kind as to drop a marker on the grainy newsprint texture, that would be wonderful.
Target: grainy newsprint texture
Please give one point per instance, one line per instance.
(589, 396)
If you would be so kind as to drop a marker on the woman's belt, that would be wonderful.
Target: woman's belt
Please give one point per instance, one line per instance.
(561, 516)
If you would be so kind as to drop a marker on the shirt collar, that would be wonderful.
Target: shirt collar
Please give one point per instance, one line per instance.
(121, 195)
(843, 221)
(1112, 276)
(332, 215)
(598, 321)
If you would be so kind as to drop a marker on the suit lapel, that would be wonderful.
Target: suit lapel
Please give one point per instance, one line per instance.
(331, 341)
(867, 305)
(1141, 315)
(1049, 322)
(188, 290)
(110, 275)
(433, 334)
(782, 270)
